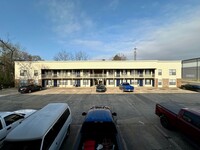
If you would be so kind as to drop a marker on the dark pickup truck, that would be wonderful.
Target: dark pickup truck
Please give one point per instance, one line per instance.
(99, 131)
(185, 120)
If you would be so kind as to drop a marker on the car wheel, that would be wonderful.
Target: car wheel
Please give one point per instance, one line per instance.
(164, 122)
(40, 89)
(29, 91)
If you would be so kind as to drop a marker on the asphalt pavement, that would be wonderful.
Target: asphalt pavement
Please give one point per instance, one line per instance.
(140, 128)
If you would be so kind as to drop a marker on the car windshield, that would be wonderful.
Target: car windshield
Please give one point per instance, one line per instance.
(22, 145)
(100, 86)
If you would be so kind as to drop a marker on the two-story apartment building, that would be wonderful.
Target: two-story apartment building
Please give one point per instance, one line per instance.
(147, 73)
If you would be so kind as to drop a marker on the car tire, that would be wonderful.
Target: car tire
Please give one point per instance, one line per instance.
(29, 91)
(165, 122)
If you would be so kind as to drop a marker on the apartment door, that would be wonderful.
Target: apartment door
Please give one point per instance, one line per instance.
(55, 83)
(78, 83)
(141, 82)
(118, 82)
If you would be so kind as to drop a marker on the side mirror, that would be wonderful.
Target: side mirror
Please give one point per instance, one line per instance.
(114, 114)
(84, 114)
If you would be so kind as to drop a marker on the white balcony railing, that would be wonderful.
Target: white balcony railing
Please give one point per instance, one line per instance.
(54, 76)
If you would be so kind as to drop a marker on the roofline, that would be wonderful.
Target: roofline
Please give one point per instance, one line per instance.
(53, 61)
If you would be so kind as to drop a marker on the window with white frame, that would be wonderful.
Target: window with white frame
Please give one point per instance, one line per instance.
(124, 72)
(134, 82)
(36, 82)
(23, 82)
(65, 82)
(159, 72)
(111, 82)
(160, 82)
(35, 72)
(23, 72)
(147, 82)
(172, 71)
(172, 81)
(111, 72)
(49, 82)
(85, 72)
(85, 82)
(132, 72)
(147, 72)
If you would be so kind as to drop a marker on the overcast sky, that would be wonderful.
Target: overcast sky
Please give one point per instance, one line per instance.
(159, 29)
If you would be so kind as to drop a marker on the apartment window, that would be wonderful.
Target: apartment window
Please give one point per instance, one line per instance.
(132, 72)
(111, 82)
(23, 72)
(49, 82)
(159, 72)
(85, 72)
(124, 72)
(85, 82)
(23, 82)
(65, 82)
(147, 82)
(35, 72)
(36, 82)
(71, 82)
(134, 82)
(110, 72)
(147, 72)
(159, 82)
(172, 81)
(172, 71)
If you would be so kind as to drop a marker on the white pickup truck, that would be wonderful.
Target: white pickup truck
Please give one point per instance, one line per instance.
(9, 120)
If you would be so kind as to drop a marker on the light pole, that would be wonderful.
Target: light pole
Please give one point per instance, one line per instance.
(135, 53)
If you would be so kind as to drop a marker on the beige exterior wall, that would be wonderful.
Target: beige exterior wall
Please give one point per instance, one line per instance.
(102, 66)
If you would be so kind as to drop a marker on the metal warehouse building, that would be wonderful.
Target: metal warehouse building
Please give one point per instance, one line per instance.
(144, 73)
(191, 69)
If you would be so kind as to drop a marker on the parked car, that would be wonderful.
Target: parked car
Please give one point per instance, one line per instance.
(176, 116)
(46, 129)
(126, 87)
(29, 88)
(99, 130)
(101, 88)
(9, 120)
(191, 87)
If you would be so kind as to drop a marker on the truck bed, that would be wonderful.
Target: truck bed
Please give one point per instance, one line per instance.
(172, 107)
(108, 143)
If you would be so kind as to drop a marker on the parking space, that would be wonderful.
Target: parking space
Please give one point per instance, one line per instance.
(139, 126)
(111, 90)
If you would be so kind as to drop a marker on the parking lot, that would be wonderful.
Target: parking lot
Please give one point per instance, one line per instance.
(139, 126)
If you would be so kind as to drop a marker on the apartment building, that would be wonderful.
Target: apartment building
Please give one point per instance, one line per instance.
(143, 73)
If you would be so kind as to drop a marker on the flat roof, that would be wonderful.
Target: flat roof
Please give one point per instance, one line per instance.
(37, 124)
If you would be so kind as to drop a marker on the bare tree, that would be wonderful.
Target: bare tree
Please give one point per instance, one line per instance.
(64, 56)
(81, 55)
(119, 57)
(9, 53)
